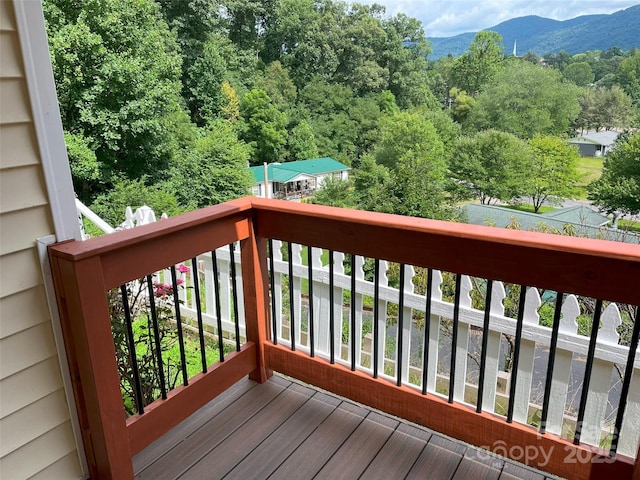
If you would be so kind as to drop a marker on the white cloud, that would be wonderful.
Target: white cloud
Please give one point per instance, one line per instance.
(444, 18)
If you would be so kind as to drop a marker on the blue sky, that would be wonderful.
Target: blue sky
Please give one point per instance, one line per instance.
(445, 18)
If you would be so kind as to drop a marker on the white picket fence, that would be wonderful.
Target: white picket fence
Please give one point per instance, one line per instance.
(610, 356)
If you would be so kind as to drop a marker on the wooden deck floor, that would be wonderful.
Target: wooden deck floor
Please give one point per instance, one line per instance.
(285, 430)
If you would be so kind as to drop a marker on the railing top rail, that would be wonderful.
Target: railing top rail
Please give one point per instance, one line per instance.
(596, 268)
(133, 253)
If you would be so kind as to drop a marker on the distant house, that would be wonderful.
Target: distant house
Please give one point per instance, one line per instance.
(595, 144)
(292, 180)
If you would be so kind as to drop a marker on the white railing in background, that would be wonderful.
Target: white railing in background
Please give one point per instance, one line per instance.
(610, 356)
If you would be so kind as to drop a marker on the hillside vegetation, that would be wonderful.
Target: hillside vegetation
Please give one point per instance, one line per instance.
(166, 102)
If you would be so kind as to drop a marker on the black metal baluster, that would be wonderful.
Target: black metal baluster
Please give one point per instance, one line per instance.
(352, 333)
(156, 337)
(400, 332)
(272, 288)
(454, 337)
(196, 291)
(626, 384)
(516, 354)
(427, 332)
(234, 289)
(332, 320)
(216, 289)
(292, 318)
(552, 358)
(176, 303)
(376, 316)
(312, 342)
(595, 326)
(485, 342)
(132, 349)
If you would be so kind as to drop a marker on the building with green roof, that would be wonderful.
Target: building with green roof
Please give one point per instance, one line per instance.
(294, 180)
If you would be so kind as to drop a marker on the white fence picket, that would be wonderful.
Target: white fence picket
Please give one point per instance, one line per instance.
(562, 368)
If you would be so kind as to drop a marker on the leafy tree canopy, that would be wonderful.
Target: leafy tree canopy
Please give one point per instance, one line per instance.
(491, 165)
(617, 191)
(526, 100)
(117, 68)
(554, 173)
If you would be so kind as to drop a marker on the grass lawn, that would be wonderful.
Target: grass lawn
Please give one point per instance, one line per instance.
(526, 207)
(630, 225)
(591, 168)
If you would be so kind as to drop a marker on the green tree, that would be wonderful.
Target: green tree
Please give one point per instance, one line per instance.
(617, 191)
(220, 61)
(491, 166)
(461, 104)
(412, 150)
(554, 170)
(264, 127)
(214, 170)
(628, 76)
(302, 142)
(335, 193)
(372, 183)
(406, 132)
(405, 56)
(117, 71)
(278, 85)
(85, 168)
(327, 107)
(526, 100)
(480, 64)
(579, 73)
(604, 108)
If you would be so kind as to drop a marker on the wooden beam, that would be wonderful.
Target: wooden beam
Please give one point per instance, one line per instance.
(594, 268)
(255, 284)
(84, 314)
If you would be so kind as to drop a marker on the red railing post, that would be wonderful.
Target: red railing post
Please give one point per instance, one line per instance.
(84, 313)
(256, 297)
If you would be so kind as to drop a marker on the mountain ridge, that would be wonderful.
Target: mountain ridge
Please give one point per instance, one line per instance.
(542, 35)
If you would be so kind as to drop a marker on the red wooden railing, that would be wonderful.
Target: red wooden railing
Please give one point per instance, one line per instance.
(84, 271)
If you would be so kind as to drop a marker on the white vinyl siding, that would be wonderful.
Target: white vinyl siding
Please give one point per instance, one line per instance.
(37, 439)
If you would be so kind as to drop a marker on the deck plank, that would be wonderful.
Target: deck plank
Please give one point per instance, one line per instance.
(399, 453)
(197, 445)
(360, 449)
(320, 446)
(275, 449)
(470, 467)
(513, 471)
(434, 463)
(283, 429)
(241, 443)
(179, 433)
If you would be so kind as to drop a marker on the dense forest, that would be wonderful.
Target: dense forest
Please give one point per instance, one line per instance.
(166, 102)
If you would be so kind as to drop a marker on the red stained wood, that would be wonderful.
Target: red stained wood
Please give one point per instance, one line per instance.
(255, 283)
(595, 268)
(83, 271)
(163, 415)
(80, 294)
(458, 421)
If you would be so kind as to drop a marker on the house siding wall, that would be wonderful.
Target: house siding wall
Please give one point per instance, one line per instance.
(36, 435)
